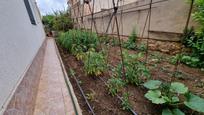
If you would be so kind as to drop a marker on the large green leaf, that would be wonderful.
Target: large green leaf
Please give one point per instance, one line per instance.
(152, 84)
(177, 87)
(155, 97)
(172, 112)
(177, 112)
(194, 102)
(167, 112)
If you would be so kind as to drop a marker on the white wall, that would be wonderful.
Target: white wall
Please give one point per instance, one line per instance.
(19, 43)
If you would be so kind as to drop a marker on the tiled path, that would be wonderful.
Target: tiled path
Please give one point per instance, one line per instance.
(53, 97)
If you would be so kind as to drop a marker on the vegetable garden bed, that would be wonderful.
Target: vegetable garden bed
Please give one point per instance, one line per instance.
(102, 97)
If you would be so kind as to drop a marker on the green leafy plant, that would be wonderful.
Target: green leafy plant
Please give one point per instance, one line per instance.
(125, 102)
(175, 59)
(115, 42)
(59, 21)
(142, 47)
(191, 61)
(94, 63)
(131, 42)
(186, 59)
(78, 41)
(194, 38)
(115, 85)
(135, 70)
(170, 95)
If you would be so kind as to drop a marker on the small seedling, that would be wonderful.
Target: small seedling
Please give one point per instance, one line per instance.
(125, 102)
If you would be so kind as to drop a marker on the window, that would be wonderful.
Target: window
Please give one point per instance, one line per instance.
(30, 13)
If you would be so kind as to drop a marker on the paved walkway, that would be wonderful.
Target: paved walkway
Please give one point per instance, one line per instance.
(53, 97)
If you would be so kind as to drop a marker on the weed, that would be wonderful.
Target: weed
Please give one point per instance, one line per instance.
(91, 96)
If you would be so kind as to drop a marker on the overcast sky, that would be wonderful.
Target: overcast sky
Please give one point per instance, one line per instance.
(47, 6)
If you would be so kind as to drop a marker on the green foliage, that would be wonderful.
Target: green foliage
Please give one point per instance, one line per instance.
(198, 15)
(175, 59)
(115, 85)
(194, 39)
(135, 71)
(172, 112)
(63, 21)
(142, 47)
(152, 84)
(131, 42)
(78, 41)
(125, 102)
(48, 22)
(115, 42)
(94, 63)
(170, 95)
(59, 21)
(194, 102)
(191, 61)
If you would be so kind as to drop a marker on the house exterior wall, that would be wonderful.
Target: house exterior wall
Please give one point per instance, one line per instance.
(19, 43)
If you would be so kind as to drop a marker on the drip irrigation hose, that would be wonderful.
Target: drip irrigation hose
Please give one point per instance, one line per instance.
(84, 96)
(120, 98)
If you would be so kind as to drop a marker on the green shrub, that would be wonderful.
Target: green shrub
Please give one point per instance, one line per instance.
(59, 21)
(94, 63)
(170, 95)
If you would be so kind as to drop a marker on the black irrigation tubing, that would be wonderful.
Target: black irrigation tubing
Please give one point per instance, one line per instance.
(120, 98)
(83, 94)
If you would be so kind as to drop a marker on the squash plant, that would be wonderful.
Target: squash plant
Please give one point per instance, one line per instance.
(94, 63)
(170, 95)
